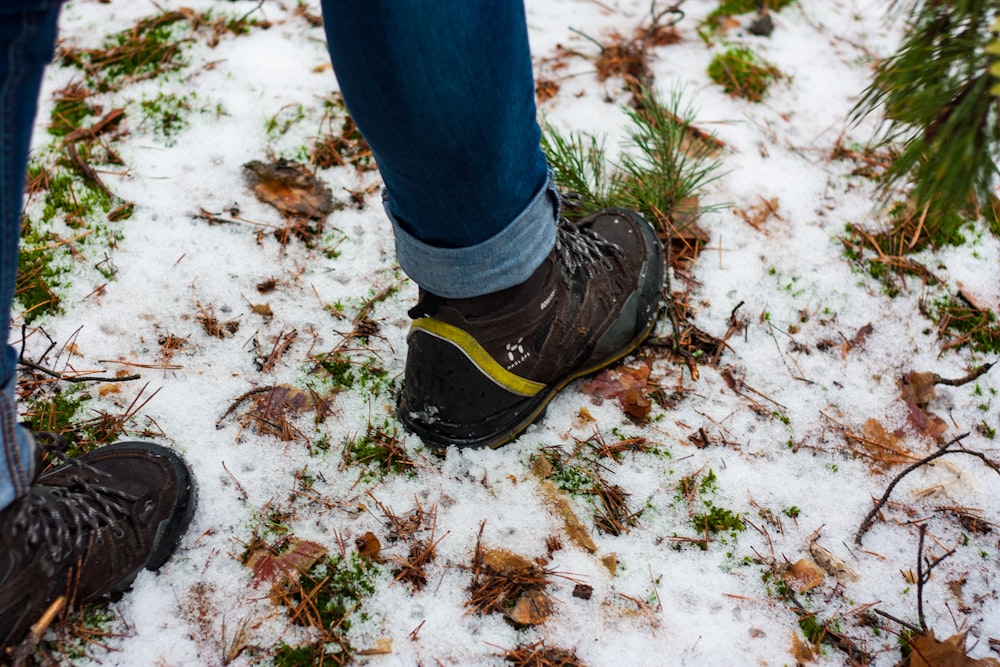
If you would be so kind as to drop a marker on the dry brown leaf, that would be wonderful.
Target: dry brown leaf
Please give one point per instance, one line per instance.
(918, 388)
(927, 651)
(802, 651)
(629, 386)
(109, 388)
(862, 335)
(584, 417)
(282, 400)
(381, 646)
(574, 527)
(803, 575)
(267, 565)
(611, 562)
(835, 566)
(975, 299)
(290, 188)
(501, 561)
(760, 213)
(368, 546)
(883, 448)
(532, 608)
(541, 466)
(925, 423)
(263, 309)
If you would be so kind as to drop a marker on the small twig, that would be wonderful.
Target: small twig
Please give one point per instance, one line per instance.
(243, 18)
(976, 373)
(74, 378)
(920, 578)
(27, 646)
(673, 9)
(905, 624)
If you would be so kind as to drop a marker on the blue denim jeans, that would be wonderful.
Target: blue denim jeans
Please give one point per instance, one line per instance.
(442, 90)
(27, 40)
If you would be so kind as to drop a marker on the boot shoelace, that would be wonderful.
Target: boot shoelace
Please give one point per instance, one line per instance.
(582, 248)
(60, 518)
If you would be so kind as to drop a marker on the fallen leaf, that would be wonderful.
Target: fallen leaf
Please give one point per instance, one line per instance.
(267, 565)
(531, 608)
(881, 447)
(290, 187)
(283, 399)
(802, 651)
(803, 575)
(368, 546)
(611, 562)
(575, 529)
(381, 646)
(501, 561)
(918, 388)
(925, 423)
(835, 566)
(541, 466)
(862, 335)
(263, 309)
(952, 481)
(109, 388)
(629, 386)
(927, 651)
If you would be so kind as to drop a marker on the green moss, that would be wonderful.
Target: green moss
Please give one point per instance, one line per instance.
(298, 656)
(967, 325)
(34, 289)
(379, 451)
(168, 114)
(329, 597)
(339, 371)
(68, 114)
(59, 412)
(153, 46)
(743, 73)
(572, 479)
(717, 519)
(74, 198)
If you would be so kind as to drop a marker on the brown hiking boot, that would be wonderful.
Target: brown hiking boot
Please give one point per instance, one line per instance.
(86, 529)
(479, 371)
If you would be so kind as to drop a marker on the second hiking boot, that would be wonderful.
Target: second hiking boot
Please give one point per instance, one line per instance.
(87, 528)
(479, 371)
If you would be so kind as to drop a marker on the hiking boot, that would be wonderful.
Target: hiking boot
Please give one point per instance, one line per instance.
(85, 529)
(479, 371)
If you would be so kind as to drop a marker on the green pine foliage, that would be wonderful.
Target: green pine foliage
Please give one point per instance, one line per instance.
(662, 176)
(934, 93)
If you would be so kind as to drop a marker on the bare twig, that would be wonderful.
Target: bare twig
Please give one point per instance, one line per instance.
(866, 524)
(75, 378)
(974, 375)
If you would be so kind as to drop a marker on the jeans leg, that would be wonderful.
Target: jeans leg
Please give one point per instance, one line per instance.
(27, 40)
(443, 92)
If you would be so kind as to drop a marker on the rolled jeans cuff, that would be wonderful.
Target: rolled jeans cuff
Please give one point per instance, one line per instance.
(17, 466)
(504, 260)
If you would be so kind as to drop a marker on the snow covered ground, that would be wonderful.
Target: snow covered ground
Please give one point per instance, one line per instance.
(771, 436)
